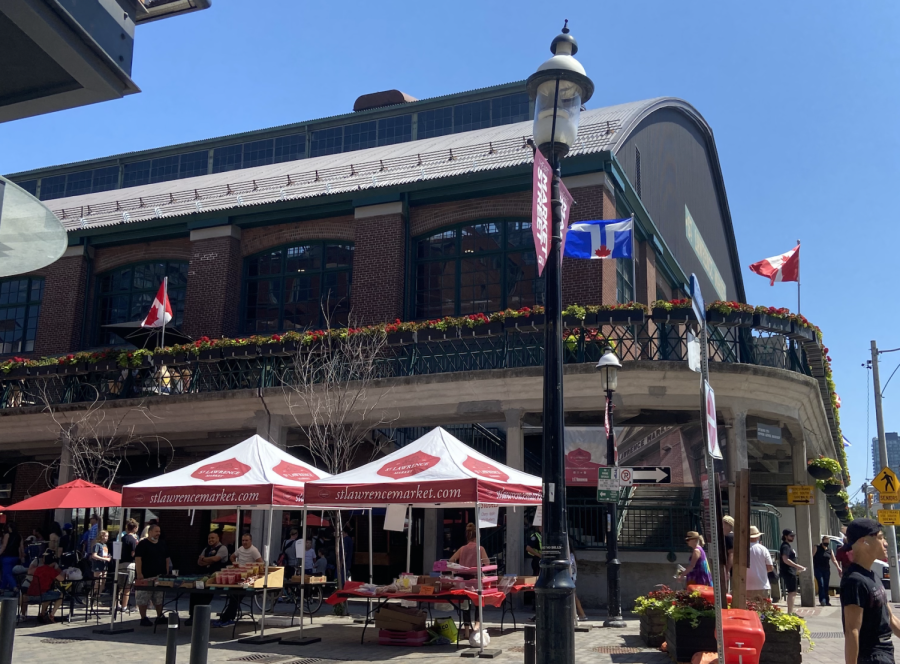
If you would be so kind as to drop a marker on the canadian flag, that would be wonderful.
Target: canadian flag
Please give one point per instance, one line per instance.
(160, 313)
(780, 268)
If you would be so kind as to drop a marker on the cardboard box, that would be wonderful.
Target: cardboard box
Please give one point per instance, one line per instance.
(276, 579)
(526, 580)
(399, 619)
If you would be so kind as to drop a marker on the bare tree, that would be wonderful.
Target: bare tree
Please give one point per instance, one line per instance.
(328, 390)
(96, 439)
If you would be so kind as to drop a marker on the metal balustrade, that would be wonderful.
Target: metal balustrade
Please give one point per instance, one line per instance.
(455, 351)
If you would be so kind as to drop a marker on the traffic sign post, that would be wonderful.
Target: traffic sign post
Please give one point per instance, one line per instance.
(801, 495)
(710, 430)
(651, 475)
(886, 481)
(626, 478)
(608, 484)
(889, 517)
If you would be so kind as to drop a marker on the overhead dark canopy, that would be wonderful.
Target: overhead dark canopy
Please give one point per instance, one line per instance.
(147, 337)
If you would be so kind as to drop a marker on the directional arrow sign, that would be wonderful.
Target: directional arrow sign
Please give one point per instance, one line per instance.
(652, 475)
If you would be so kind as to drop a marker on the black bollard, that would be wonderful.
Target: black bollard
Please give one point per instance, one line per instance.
(7, 629)
(200, 634)
(172, 638)
(530, 652)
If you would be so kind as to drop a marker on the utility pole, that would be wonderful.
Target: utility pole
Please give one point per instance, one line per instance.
(865, 488)
(882, 452)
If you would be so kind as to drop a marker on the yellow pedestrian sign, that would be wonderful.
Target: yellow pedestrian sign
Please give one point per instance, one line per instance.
(889, 517)
(886, 481)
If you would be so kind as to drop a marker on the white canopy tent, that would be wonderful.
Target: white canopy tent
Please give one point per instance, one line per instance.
(254, 474)
(437, 470)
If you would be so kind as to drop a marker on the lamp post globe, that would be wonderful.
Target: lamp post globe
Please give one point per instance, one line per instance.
(609, 366)
(559, 87)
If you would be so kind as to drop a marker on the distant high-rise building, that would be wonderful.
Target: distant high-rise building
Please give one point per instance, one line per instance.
(893, 453)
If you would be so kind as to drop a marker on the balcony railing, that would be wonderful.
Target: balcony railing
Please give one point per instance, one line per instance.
(477, 351)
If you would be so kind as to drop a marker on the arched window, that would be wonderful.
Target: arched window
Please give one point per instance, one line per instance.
(285, 288)
(20, 307)
(126, 293)
(476, 267)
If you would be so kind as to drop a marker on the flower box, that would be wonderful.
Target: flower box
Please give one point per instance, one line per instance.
(482, 330)
(401, 338)
(772, 324)
(572, 323)
(169, 360)
(831, 489)
(103, 365)
(45, 370)
(841, 514)
(17, 372)
(835, 500)
(73, 369)
(732, 319)
(210, 355)
(675, 316)
(683, 641)
(818, 472)
(801, 333)
(238, 352)
(433, 334)
(526, 323)
(653, 627)
(619, 316)
(780, 647)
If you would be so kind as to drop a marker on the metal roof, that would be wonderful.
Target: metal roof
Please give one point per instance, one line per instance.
(495, 148)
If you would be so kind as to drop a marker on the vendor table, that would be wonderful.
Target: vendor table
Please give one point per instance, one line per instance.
(490, 597)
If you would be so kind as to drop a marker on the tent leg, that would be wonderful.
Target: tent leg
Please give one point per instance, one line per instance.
(301, 640)
(262, 638)
(114, 603)
(481, 651)
(409, 529)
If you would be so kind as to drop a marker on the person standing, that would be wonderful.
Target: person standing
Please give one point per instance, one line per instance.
(100, 560)
(12, 552)
(728, 564)
(127, 572)
(289, 551)
(697, 572)
(212, 559)
(533, 549)
(573, 569)
(246, 553)
(309, 558)
(822, 558)
(758, 570)
(55, 535)
(88, 538)
(347, 545)
(151, 560)
(788, 568)
(865, 612)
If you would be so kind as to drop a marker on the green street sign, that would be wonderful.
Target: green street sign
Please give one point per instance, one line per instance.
(608, 485)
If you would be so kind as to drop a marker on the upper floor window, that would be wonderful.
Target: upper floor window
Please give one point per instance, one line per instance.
(624, 280)
(126, 293)
(287, 288)
(478, 267)
(20, 307)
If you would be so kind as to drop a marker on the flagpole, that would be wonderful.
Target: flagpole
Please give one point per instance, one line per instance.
(162, 341)
(633, 263)
(798, 281)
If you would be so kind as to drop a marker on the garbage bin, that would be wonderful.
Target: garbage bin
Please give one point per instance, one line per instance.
(743, 636)
(530, 655)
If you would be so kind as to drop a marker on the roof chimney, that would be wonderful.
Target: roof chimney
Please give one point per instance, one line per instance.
(380, 99)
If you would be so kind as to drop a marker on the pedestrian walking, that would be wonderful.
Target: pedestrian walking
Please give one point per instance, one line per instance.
(822, 558)
(788, 568)
(697, 572)
(759, 568)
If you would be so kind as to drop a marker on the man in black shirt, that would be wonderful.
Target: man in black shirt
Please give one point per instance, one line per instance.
(212, 559)
(789, 569)
(865, 612)
(533, 548)
(151, 560)
(822, 558)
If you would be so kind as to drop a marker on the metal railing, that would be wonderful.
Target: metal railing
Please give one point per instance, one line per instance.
(459, 352)
(647, 528)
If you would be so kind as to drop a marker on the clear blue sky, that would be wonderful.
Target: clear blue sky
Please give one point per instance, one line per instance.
(802, 97)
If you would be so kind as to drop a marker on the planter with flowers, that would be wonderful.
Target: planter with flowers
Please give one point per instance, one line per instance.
(629, 313)
(277, 344)
(802, 330)
(526, 319)
(134, 359)
(673, 311)
(236, 349)
(399, 333)
(72, 364)
(690, 625)
(478, 325)
(823, 468)
(653, 610)
(207, 350)
(772, 319)
(44, 368)
(729, 314)
(170, 356)
(104, 360)
(838, 500)
(830, 488)
(784, 634)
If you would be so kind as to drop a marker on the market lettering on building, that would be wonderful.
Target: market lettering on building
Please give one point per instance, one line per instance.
(706, 260)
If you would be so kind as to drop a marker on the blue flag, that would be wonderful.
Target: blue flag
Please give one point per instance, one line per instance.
(612, 238)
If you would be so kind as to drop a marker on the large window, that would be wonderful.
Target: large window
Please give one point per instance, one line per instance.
(479, 267)
(286, 288)
(126, 293)
(624, 280)
(20, 307)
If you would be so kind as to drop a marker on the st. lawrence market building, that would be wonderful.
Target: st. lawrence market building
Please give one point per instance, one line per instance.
(415, 210)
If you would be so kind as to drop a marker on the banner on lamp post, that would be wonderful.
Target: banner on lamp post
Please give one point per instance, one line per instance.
(541, 213)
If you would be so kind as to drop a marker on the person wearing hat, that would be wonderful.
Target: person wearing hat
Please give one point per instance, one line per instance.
(760, 564)
(865, 611)
(822, 558)
(728, 564)
(789, 569)
(697, 572)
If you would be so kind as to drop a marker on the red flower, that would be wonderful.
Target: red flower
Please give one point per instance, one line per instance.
(276, 337)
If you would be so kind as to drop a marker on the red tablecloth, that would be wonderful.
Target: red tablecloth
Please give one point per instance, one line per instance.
(491, 596)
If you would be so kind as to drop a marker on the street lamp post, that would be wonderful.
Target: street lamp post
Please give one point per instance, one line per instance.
(558, 87)
(609, 366)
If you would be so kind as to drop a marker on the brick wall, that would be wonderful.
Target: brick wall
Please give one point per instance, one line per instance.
(426, 218)
(645, 269)
(378, 263)
(213, 288)
(107, 258)
(30, 480)
(254, 240)
(62, 308)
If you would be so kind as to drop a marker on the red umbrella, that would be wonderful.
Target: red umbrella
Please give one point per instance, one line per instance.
(73, 495)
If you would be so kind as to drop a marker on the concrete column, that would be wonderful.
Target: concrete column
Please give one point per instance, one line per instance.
(737, 459)
(431, 535)
(273, 428)
(65, 475)
(515, 516)
(803, 540)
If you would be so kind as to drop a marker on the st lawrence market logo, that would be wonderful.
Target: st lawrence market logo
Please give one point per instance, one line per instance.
(485, 469)
(408, 465)
(221, 470)
(291, 471)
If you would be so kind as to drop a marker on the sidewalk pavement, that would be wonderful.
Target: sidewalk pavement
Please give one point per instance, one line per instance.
(77, 644)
